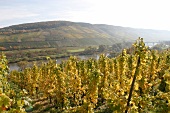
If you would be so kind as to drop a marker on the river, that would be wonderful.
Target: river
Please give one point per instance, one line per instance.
(14, 66)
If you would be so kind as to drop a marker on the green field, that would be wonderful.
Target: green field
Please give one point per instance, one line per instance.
(75, 50)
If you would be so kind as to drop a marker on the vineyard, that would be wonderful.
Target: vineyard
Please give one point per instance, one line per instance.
(136, 81)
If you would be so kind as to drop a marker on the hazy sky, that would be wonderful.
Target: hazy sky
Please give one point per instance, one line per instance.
(150, 14)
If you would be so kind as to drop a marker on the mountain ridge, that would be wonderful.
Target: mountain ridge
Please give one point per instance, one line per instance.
(67, 33)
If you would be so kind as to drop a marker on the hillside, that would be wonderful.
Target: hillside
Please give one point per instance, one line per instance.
(71, 34)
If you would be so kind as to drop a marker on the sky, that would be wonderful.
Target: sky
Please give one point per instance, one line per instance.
(147, 14)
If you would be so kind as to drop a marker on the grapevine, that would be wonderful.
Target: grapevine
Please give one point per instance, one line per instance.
(131, 82)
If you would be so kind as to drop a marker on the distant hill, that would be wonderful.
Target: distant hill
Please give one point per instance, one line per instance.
(66, 34)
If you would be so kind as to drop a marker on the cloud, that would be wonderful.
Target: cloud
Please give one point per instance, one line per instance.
(128, 13)
(10, 14)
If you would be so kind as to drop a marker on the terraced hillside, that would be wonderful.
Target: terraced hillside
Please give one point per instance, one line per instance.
(66, 34)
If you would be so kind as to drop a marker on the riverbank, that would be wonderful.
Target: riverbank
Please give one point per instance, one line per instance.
(15, 56)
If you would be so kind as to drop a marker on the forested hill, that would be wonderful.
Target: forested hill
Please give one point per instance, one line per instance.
(64, 33)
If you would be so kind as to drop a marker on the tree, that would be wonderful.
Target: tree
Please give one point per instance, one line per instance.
(22, 64)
